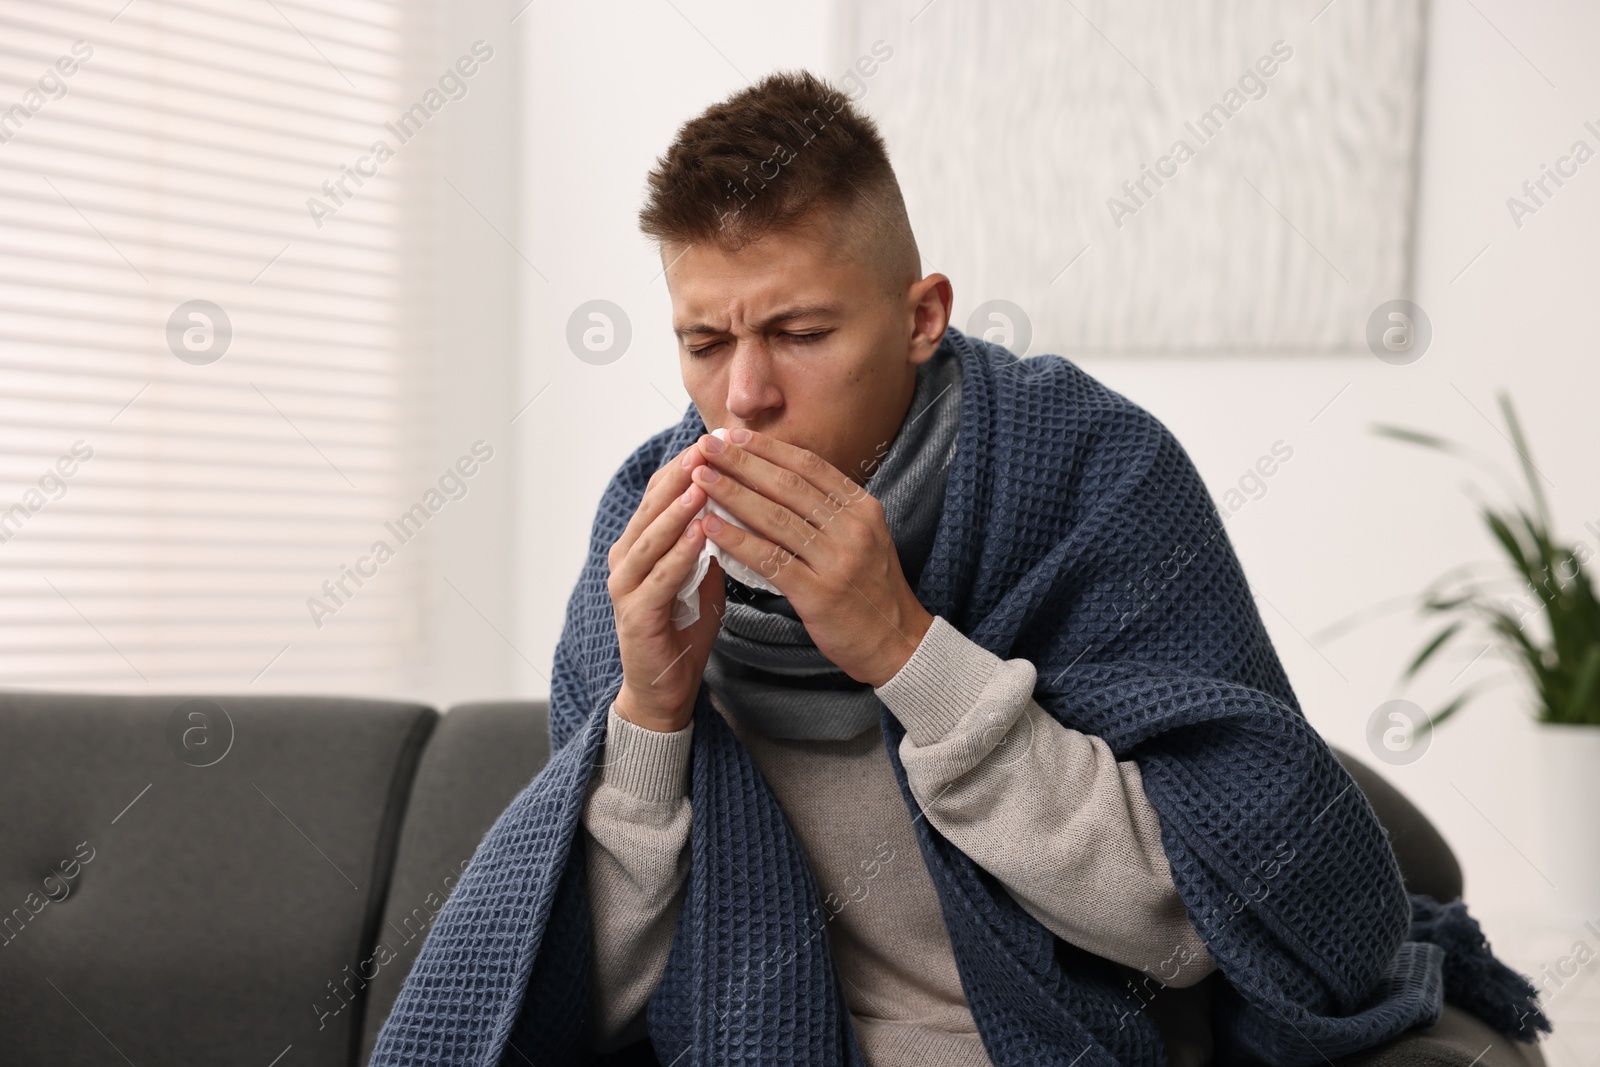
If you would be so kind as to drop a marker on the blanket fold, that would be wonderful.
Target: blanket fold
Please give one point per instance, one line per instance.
(1077, 533)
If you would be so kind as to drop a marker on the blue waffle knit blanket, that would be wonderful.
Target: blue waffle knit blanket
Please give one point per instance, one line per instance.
(1076, 533)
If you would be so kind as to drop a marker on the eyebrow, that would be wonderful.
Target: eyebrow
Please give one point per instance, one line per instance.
(775, 319)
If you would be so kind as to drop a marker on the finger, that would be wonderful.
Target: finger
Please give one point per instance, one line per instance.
(822, 475)
(664, 486)
(657, 539)
(798, 489)
(661, 586)
(772, 520)
(776, 483)
(784, 569)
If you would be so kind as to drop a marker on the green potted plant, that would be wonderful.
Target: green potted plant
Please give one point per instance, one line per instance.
(1561, 663)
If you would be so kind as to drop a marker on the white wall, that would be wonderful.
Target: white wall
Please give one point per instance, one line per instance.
(1351, 521)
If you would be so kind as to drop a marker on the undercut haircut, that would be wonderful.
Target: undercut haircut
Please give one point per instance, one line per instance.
(782, 156)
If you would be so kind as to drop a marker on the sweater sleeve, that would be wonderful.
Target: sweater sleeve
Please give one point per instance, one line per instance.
(1046, 809)
(636, 821)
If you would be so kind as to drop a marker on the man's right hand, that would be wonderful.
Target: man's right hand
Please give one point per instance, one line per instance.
(662, 666)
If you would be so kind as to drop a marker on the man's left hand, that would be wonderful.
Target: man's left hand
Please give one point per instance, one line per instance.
(821, 538)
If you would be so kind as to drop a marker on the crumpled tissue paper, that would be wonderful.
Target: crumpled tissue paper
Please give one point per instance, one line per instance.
(686, 608)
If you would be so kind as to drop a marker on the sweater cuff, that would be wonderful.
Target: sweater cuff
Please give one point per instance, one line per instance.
(939, 684)
(644, 763)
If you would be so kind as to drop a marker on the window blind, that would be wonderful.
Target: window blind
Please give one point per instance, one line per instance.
(205, 388)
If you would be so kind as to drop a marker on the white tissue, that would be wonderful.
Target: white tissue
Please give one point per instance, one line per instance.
(686, 608)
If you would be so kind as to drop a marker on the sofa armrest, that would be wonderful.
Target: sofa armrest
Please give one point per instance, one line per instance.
(479, 758)
(1426, 860)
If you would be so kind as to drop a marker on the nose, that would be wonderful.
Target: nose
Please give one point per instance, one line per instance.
(752, 386)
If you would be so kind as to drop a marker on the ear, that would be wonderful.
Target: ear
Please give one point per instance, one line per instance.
(931, 301)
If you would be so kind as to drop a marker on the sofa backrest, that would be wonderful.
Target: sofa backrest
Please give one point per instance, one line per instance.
(190, 879)
(480, 757)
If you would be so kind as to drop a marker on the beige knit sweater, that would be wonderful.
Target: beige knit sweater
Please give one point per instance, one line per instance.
(1063, 826)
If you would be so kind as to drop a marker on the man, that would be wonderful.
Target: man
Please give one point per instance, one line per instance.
(814, 343)
(1002, 768)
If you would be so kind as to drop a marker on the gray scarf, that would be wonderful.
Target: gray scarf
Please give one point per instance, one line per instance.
(764, 665)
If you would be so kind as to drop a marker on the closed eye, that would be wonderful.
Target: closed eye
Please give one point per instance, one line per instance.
(798, 338)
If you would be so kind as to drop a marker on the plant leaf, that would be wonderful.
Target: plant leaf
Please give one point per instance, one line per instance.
(1428, 440)
(1454, 705)
(1583, 689)
(1528, 469)
(1432, 647)
(1416, 437)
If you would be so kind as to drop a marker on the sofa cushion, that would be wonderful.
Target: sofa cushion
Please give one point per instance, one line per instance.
(1458, 1039)
(186, 880)
(478, 760)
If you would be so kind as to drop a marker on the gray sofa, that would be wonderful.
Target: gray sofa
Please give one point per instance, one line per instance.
(247, 879)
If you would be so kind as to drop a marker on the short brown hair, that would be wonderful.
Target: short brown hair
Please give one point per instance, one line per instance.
(767, 158)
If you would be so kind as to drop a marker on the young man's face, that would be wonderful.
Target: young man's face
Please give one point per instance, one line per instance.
(793, 337)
